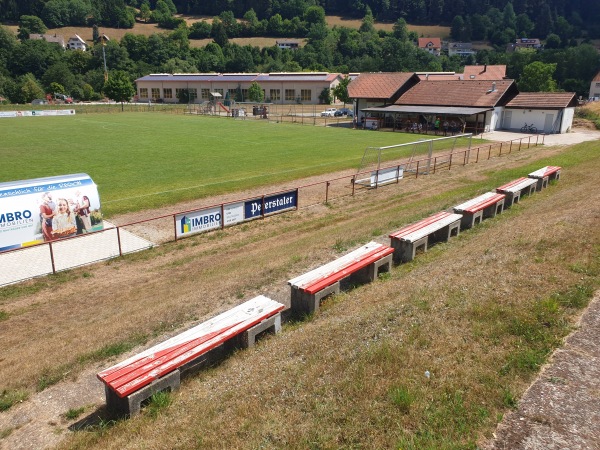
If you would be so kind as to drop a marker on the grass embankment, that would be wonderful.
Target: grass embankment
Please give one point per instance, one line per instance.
(590, 112)
(142, 161)
(480, 313)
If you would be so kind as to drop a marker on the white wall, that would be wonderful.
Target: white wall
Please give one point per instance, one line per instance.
(538, 118)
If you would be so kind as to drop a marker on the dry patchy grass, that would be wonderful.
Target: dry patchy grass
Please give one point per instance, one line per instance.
(480, 313)
(421, 30)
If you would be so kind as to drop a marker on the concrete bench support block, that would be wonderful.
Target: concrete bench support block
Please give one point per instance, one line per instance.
(131, 405)
(272, 324)
(305, 303)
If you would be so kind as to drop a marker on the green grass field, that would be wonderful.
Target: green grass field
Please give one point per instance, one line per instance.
(146, 160)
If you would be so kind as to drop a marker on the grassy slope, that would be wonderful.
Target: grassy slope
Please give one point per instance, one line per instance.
(144, 161)
(481, 313)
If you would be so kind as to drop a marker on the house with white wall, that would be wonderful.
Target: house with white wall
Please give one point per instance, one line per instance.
(76, 43)
(595, 88)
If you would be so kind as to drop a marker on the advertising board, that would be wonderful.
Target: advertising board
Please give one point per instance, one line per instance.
(202, 220)
(45, 112)
(45, 209)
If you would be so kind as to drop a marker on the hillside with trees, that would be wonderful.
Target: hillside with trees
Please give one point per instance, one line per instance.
(29, 67)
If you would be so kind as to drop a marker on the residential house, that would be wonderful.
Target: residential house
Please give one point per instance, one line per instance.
(432, 45)
(281, 88)
(595, 88)
(54, 38)
(76, 43)
(288, 44)
(463, 49)
(485, 72)
(524, 43)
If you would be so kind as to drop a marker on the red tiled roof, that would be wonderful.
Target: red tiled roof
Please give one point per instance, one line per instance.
(435, 77)
(378, 85)
(456, 93)
(543, 100)
(486, 72)
(436, 42)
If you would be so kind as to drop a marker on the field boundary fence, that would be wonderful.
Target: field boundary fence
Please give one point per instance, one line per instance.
(117, 240)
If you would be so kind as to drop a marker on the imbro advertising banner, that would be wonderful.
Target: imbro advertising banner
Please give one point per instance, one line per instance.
(46, 112)
(209, 219)
(46, 209)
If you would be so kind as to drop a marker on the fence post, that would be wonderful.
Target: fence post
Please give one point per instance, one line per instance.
(119, 241)
(398, 174)
(520, 142)
(263, 207)
(327, 191)
(353, 184)
(417, 171)
(376, 178)
(450, 162)
(434, 164)
(223, 215)
(477, 158)
(175, 226)
(500, 149)
(52, 257)
(529, 141)
(490, 152)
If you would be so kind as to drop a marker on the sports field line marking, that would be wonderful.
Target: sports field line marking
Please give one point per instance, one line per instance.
(219, 182)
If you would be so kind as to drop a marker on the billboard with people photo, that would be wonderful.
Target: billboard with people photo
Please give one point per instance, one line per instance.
(46, 209)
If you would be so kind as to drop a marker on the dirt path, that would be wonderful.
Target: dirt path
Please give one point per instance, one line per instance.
(562, 403)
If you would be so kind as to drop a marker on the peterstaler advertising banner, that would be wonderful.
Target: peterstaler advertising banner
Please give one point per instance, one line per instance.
(215, 217)
(274, 203)
(46, 209)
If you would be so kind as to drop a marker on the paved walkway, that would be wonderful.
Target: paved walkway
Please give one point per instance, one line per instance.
(574, 137)
(561, 409)
(38, 260)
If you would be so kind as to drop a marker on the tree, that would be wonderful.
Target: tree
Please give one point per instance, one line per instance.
(341, 90)
(118, 87)
(95, 33)
(29, 25)
(325, 97)
(29, 89)
(457, 28)
(401, 30)
(145, 12)
(537, 77)
(255, 93)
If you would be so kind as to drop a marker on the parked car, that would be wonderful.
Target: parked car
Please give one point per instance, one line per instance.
(329, 112)
(344, 112)
(39, 101)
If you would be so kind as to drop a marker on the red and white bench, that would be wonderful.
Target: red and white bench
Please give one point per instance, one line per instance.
(480, 208)
(437, 228)
(361, 264)
(516, 189)
(544, 175)
(159, 368)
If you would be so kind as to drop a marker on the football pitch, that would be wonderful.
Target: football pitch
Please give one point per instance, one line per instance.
(148, 160)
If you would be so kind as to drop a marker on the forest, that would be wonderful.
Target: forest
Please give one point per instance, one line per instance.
(29, 68)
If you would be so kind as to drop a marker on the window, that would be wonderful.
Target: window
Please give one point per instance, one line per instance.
(597, 84)
(143, 92)
(168, 93)
(275, 94)
(306, 95)
(219, 91)
(193, 94)
(205, 93)
(290, 94)
(155, 93)
(179, 93)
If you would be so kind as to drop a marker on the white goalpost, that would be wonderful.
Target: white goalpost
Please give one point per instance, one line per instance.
(382, 165)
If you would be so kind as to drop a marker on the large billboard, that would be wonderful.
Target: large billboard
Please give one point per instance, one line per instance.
(46, 209)
(198, 221)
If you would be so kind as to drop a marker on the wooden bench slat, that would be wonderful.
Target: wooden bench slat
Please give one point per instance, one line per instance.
(479, 203)
(545, 171)
(517, 185)
(349, 270)
(332, 267)
(140, 370)
(426, 226)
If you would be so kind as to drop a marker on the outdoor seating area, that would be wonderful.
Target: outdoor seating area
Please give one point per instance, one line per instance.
(133, 381)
